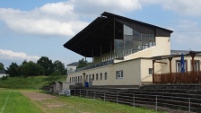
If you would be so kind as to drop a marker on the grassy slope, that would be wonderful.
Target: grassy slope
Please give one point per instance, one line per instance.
(29, 82)
(16, 103)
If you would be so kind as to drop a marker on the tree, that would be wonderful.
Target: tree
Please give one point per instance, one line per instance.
(24, 62)
(47, 65)
(12, 70)
(30, 69)
(82, 63)
(59, 68)
(2, 66)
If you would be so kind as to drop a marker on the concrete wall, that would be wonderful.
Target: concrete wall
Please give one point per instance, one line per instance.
(146, 77)
(131, 74)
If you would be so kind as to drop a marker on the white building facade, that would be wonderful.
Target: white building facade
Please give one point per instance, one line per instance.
(122, 50)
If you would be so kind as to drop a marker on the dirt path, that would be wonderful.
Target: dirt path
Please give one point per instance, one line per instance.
(45, 102)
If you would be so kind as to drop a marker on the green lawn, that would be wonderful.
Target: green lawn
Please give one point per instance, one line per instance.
(12, 101)
(86, 105)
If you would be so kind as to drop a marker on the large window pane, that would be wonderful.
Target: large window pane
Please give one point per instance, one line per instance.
(128, 30)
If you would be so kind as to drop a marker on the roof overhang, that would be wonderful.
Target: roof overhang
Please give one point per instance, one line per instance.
(98, 37)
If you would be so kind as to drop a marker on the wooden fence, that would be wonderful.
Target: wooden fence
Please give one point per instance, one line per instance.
(178, 78)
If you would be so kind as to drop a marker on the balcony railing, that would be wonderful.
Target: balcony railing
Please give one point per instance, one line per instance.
(178, 78)
(95, 65)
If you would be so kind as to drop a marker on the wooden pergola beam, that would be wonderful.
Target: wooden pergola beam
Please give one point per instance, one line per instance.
(160, 62)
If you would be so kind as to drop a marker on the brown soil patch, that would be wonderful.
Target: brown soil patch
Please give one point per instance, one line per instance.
(54, 105)
(39, 98)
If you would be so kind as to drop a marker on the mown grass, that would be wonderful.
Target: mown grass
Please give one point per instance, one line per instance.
(35, 82)
(16, 102)
(73, 104)
(84, 105)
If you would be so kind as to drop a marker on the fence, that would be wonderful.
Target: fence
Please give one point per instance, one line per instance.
(157, 102)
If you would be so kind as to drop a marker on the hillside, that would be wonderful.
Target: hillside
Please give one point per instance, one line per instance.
(35, 82)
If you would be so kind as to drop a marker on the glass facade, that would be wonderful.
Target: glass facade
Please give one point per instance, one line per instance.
(132, 41)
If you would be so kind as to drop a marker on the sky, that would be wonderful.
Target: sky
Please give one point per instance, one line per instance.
(30, 29)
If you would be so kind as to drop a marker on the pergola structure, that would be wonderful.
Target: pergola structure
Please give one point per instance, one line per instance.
(171, 77)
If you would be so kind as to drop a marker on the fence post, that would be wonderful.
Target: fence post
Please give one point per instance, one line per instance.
(94, 94)
(86, 93)
(156, 103)
(117, 97)
(189, 105)
(134, 100)
(80, 92)
(104, 96)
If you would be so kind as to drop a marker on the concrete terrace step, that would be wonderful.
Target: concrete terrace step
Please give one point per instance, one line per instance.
(168, 96)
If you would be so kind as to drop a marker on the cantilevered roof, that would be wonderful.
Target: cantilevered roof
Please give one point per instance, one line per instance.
(98, 37)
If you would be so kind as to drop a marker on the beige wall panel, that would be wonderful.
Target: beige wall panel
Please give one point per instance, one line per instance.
(131, 74)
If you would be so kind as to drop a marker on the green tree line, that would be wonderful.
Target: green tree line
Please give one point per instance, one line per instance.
(44, 66)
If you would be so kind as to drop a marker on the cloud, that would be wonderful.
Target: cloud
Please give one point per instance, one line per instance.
(186, 41)
(8, 54)
(182, 7)
(61, 18)
(91, 7)
(50, 19)
(187, 24)
(187, 35)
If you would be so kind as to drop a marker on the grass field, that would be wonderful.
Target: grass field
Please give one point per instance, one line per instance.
(35, 82)
(12, 101)
(32, 101)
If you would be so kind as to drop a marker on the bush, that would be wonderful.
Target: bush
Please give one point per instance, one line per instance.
(4, 78)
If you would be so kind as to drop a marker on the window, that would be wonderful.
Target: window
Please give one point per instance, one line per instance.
(196, 65)
(101, 76)
(90, 77)
(70, 79)
(93, 77)
(80, 78)
(105, 76)
(119, 74)
(150, 71)
(128, 30)
(97, 76)
(87, 78)
(178, 66)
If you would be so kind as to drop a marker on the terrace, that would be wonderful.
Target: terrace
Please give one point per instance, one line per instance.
(189, 77)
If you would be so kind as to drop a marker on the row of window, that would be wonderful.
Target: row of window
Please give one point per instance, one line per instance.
(90, 77)
(76, 79)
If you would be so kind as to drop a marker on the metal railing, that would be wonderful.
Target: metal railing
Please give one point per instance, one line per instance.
(157, 102)
(95, 65)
